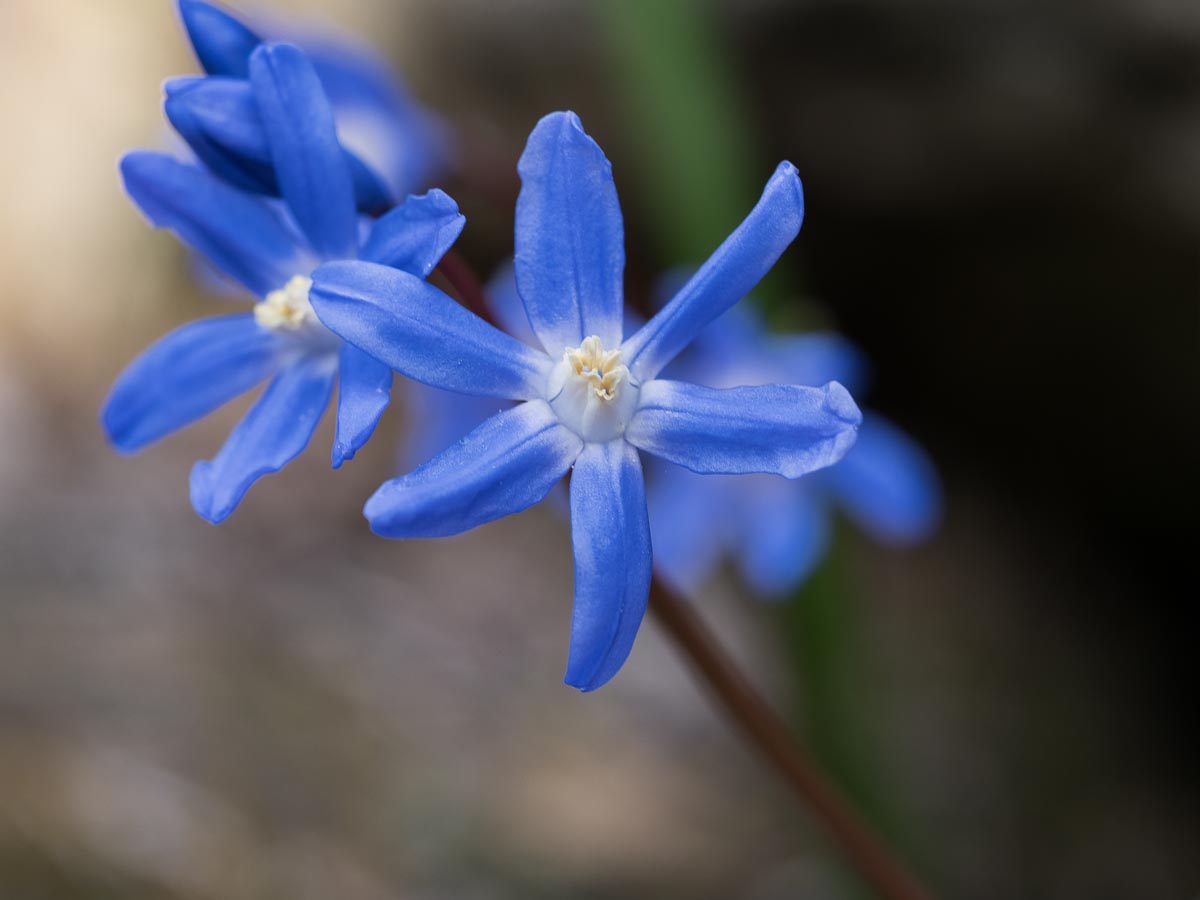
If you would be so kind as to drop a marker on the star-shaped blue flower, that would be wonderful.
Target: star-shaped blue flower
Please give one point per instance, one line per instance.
(392, 145)
(776, 530)
(271, 248)
(590, 400)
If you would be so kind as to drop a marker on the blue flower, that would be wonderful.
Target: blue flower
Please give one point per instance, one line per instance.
(589, 399)
(392, 145)
(778, 531)
(271, 248)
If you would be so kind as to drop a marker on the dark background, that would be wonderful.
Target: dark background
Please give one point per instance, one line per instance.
(1003, 209)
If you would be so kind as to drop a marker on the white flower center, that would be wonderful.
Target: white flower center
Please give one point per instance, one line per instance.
(288, 308)
(592, 391)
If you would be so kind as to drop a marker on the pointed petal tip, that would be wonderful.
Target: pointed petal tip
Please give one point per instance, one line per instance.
(200, 488)
(839, 402)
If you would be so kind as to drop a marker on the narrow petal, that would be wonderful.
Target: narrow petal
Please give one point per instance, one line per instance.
(888, 484)
(185, 376)
(309, 163)
(785, 534)
(505, 465)
(570, 240)
(364, 389)
(435, 419)
(728, 275)
(416, 234)
(420, 332)
(222, 43)
(240, 234)
(610, 534)
(778, 428)
(219, 119)
(275, 430)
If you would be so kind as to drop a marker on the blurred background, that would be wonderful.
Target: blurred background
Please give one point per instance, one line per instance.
(1003, 211)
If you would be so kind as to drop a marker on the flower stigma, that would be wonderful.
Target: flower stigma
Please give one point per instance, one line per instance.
(288, 308)
(592, 391)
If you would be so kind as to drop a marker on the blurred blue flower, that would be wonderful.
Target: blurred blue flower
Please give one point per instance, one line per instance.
(589, 399)
(271, 248)
(393, 146)
(777, 530)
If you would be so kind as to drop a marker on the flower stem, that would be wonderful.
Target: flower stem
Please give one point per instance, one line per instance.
(764, 728)
(466, 284)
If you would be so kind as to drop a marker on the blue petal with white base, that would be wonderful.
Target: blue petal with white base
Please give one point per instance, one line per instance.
(610, 535)
(420, 332)
(570, 239)
(777, 428)
(186, 375)
(241, 235)
(729, 274)
(305, 149)
(507, 464)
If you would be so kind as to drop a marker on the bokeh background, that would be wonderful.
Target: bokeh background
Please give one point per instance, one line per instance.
(1003, 210)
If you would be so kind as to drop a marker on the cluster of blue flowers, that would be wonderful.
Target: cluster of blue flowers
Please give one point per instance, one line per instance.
(301, 158)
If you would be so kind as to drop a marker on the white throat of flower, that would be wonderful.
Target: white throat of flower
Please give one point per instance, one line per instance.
(288, 309)
(592, 391)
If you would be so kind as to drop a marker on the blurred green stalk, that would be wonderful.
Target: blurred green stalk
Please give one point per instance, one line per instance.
(699, 174)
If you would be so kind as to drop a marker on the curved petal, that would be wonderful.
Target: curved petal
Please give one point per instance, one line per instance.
(778, 428)
(570, 240)
(364, 389)
(728, 275)
(435, 419)
(222, 43)
(275, 430)
(240, 234)
(309, 162)
(416, 234)
(219, 119)
(505, 465)
(692, 521)
(785, 535)
(610, 534)
(888, 484)
(420, 332)
(186, 375)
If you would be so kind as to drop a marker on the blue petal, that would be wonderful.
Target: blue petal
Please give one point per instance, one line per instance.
(785, 534)
(728, 275)
(185, 376)
(416, 234)
(222, 43)
(377, 119)
(275, 430)
(505, 465)
(570, 241)
(692, 521)
(434, 419)
(364, 388)
(610, 534)
(241, 235)
(309, 163)
(888, 484)
(778, 428)
(219, 119)
(420, 332)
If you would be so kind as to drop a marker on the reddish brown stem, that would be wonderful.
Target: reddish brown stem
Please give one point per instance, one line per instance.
(466, 284)
(746, 706)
